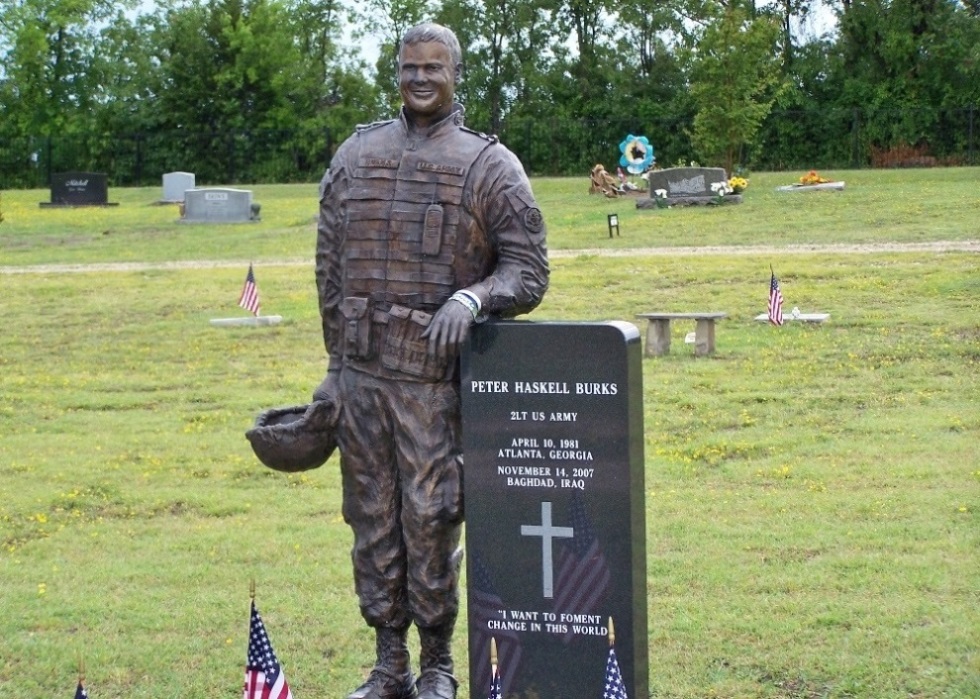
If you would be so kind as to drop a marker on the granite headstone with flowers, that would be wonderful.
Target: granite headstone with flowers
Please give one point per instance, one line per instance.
(686, 186)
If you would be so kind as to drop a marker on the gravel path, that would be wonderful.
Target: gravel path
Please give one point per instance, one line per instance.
(833, 249)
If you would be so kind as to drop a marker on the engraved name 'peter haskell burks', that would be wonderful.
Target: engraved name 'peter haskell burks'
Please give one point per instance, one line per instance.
(538, 461)
(578, 388)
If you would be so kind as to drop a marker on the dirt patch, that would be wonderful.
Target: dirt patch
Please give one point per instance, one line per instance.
(832, 249)
(938, 246)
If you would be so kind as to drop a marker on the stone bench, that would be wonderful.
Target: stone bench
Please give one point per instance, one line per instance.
(658, 332)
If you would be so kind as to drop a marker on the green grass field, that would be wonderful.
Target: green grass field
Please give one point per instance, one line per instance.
(813, 492)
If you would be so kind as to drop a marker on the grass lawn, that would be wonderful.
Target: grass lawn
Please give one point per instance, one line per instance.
(813, 491)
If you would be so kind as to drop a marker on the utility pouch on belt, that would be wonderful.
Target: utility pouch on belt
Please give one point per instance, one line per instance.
(357, 327)
(405, 349)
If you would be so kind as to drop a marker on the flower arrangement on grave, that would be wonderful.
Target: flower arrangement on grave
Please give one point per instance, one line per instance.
(637, 154)
(738, 184)
(721, 189)
(660, 198)
(812, 178)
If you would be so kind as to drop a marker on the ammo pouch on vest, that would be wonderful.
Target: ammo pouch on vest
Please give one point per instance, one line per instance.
(404, 348)
(357, 327)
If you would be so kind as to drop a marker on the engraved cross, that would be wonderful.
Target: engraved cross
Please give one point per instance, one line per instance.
(547, 532)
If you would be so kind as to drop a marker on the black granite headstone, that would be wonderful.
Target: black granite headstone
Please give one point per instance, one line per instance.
(555, 534)
(79, 189)
(684, 186)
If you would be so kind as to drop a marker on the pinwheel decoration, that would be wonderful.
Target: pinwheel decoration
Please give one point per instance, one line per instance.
(637, 154)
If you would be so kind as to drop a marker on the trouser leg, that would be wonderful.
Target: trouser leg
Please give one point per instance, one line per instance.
(372, 502)
(428, 451)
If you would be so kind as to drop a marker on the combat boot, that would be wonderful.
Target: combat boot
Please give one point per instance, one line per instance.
(391, 677)
(436, 679)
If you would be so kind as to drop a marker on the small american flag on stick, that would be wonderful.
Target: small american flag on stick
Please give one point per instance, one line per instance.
(264, 678)
(494, 672)
(775, 301)
(80, 692)
(614, 687)
(249, 299)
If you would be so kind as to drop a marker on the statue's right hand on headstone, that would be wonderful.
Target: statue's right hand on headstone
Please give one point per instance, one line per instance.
(449, 328)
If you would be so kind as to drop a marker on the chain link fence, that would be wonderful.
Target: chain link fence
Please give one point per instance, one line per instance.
(788, 140)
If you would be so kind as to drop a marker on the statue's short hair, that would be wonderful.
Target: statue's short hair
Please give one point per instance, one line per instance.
(429, 31)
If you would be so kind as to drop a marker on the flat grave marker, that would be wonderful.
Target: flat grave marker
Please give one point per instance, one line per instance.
(815, 187)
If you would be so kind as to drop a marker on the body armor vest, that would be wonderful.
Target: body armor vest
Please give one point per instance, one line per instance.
(403, 214)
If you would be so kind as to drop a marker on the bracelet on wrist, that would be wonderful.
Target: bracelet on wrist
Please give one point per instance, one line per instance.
(469, 300)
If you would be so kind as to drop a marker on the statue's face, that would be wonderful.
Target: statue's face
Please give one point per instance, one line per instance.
(427, 81)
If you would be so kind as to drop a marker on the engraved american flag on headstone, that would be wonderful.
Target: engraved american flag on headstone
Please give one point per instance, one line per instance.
(582, 578)
(485, 606)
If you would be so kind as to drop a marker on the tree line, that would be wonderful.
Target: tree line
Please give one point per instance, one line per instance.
(275, 83)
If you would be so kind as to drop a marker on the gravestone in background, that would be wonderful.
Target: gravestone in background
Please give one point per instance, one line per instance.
(175, 184)
(555, 534)
(79, 189)
(685, 186)
(217, 205)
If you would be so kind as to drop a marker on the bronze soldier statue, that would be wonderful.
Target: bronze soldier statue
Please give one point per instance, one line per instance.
(425, 228)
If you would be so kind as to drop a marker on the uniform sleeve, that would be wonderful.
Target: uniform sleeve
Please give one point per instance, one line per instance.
(506, 209)
(329, 242)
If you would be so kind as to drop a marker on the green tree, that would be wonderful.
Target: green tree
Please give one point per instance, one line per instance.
(47, 52)
(909, 65)
(227, 65)
(650, 86)
(786, 11)
(495, 36)
(387, 21)
(235, 78)
(334, 80)
(590, 65)
(734, 82)
(124, 67)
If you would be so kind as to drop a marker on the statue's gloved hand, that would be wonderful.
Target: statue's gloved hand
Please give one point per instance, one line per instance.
(329, 388)
(450, 326)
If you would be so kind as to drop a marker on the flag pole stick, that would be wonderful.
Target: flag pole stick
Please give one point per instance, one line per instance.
(81, 669)
(493, 663)
(257, 312)
(251, 589)
(612, 633)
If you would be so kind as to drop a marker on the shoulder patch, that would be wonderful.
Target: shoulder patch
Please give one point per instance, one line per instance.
(533, 220)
